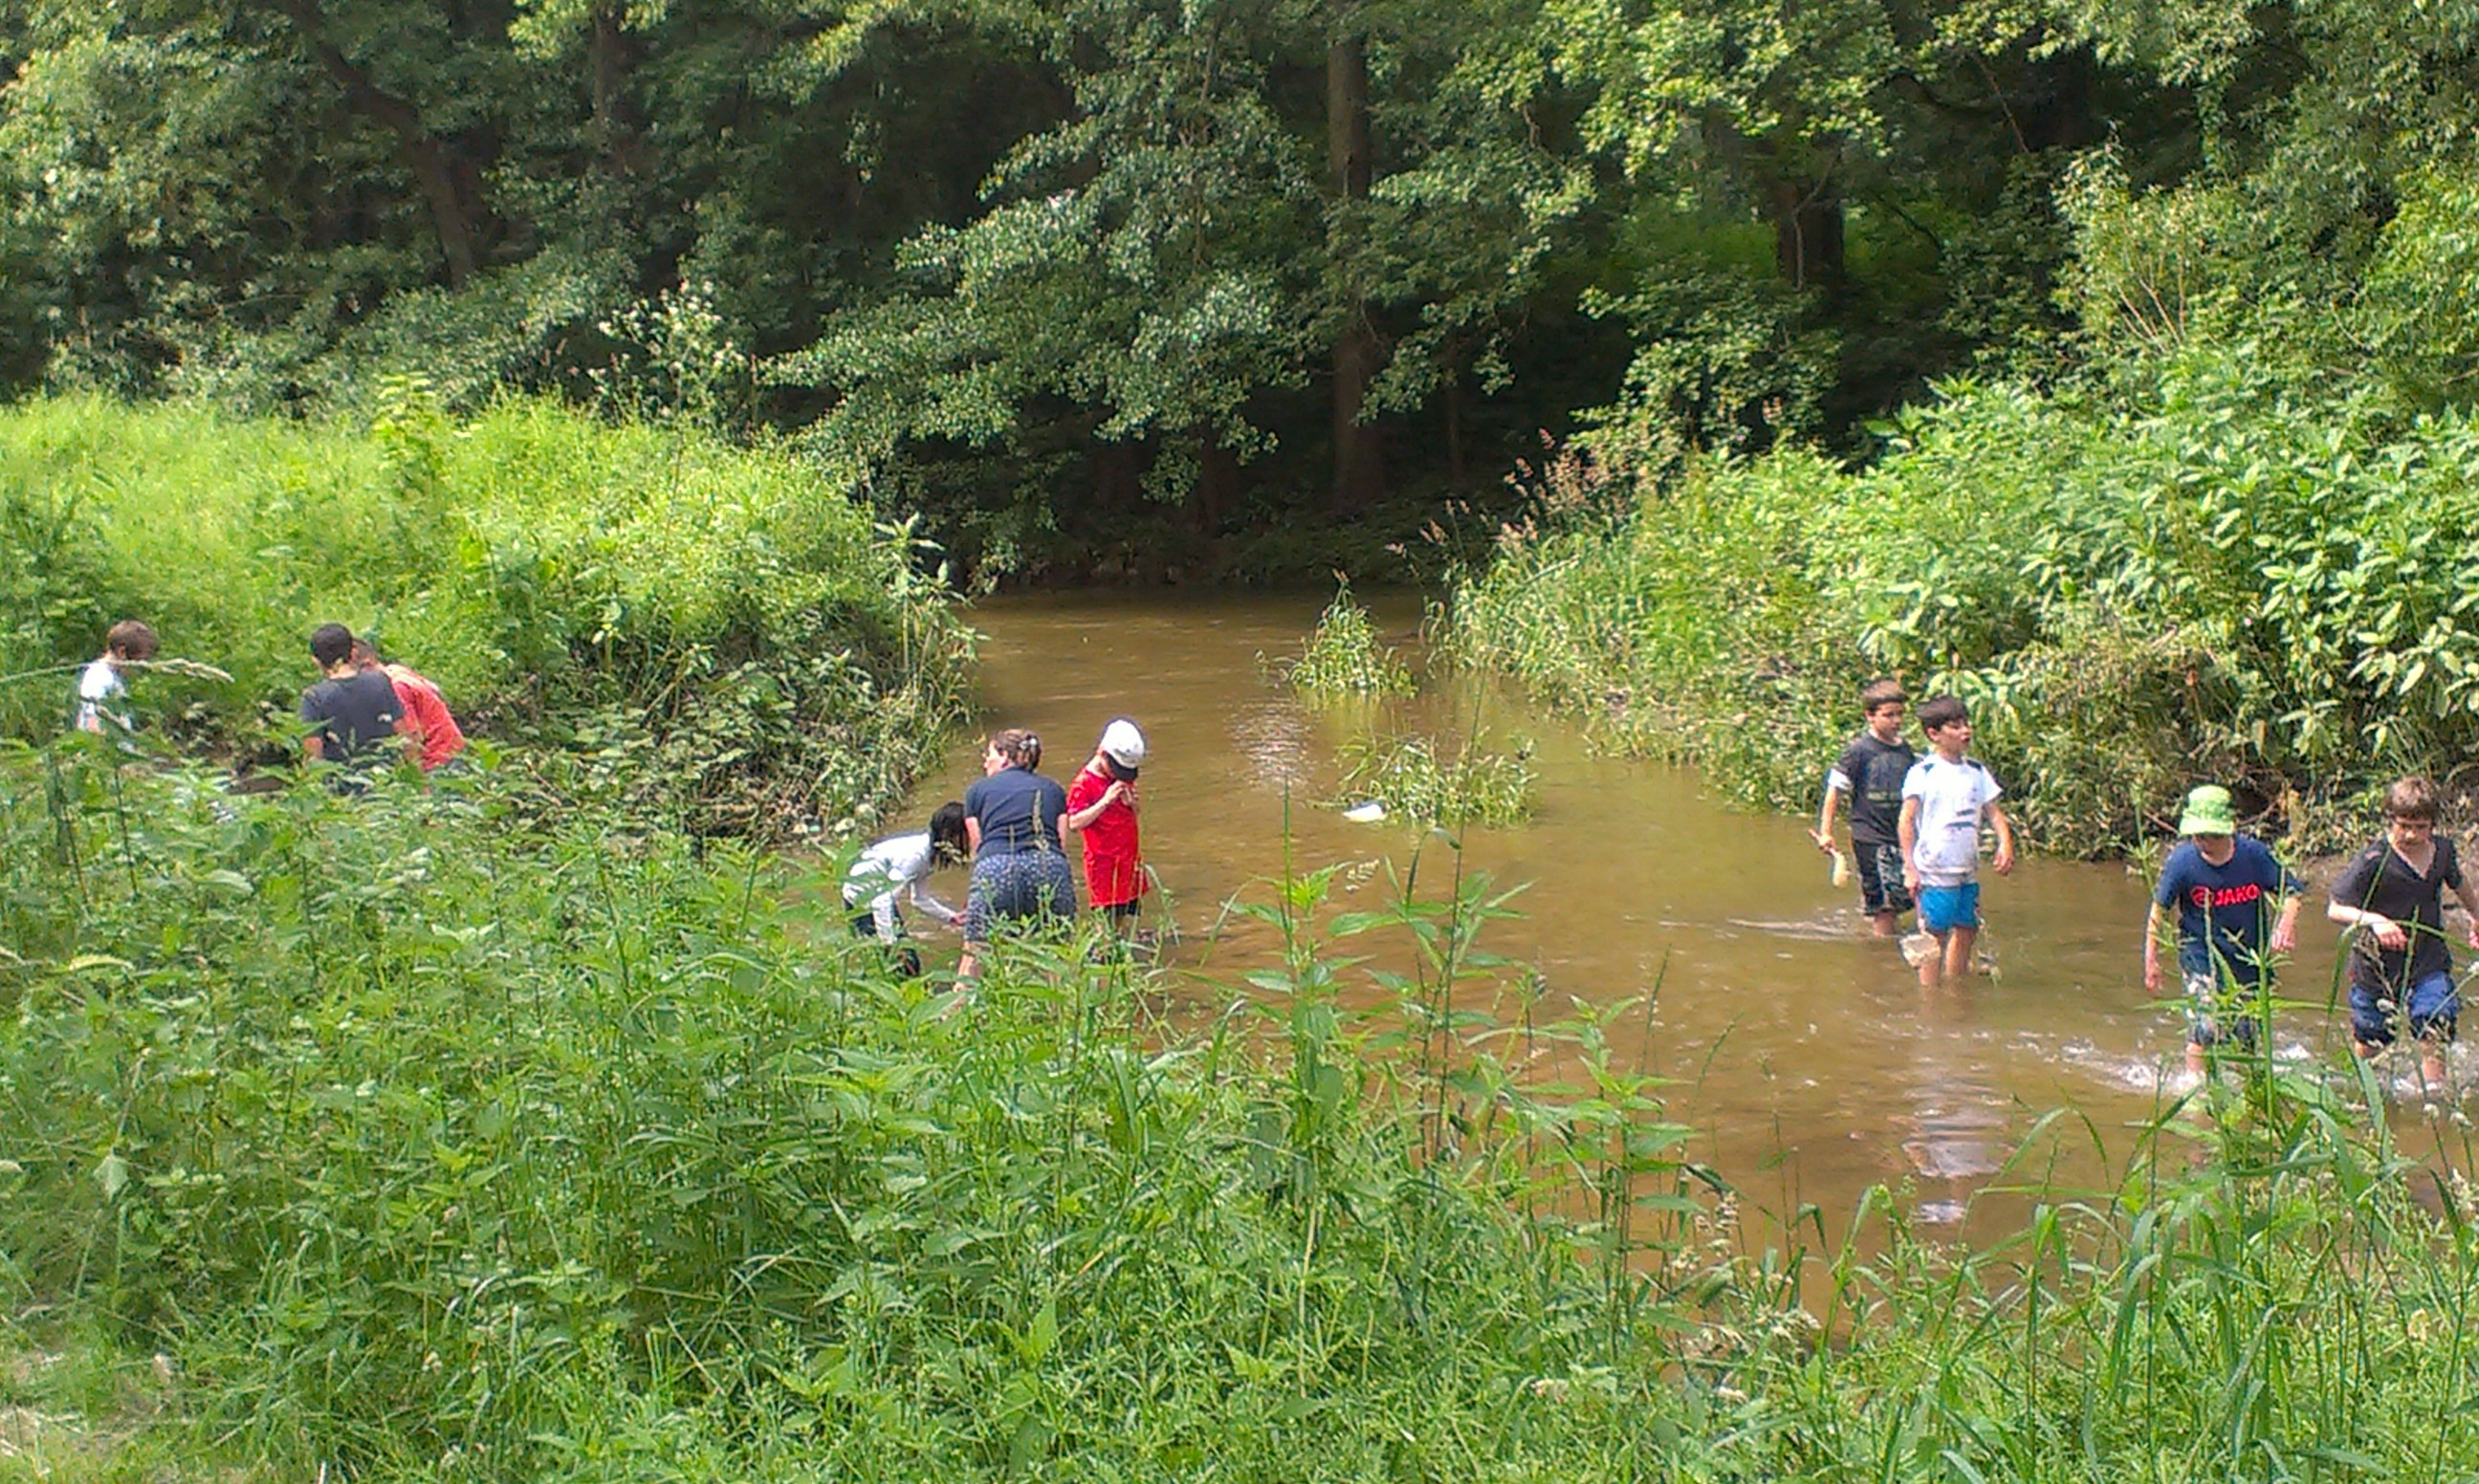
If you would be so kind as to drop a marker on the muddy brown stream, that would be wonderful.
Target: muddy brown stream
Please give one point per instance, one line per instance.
(1803, 1051)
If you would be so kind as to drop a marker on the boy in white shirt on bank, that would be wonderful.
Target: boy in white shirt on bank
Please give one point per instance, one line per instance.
(102, 690)
(1945, 797)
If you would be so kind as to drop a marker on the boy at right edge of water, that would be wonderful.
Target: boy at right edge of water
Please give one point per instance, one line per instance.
(1945, 797)
(2393, 893)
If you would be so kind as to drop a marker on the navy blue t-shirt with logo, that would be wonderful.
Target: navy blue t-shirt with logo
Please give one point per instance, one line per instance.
(2221, 907)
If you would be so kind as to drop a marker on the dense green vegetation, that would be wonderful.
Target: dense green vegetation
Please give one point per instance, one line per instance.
(704, 635)
(2227, 531)
(1097, 283)
(2241, 587)
(421, 1142)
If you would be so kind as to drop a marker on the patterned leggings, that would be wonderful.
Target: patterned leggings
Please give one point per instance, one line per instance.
(1019, 887)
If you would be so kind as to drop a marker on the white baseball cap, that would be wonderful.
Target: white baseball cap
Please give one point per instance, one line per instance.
(1123, 743)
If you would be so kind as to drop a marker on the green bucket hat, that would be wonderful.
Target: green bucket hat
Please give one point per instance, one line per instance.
(2208, 812)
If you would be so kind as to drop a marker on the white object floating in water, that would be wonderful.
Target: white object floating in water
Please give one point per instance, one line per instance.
(1368, 813)
(1918, 948)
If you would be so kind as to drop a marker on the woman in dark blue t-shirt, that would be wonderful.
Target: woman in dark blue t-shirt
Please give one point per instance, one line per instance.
(1020, 871)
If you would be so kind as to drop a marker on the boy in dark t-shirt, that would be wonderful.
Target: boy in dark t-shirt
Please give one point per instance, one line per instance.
(353, 714)
(2393, 893)
(2218, 880)
(1871, 772)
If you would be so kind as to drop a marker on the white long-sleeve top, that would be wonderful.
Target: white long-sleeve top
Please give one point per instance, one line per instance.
(890, 870)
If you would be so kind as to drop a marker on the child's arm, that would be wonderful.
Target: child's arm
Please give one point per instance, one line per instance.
(2388, 933)
(2154, 926)
(2467, 893)
(2005, 827)
(1083, 817)
(1907, 831)
(1824, 832)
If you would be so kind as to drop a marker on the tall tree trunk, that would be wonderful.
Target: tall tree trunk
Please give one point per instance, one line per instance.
(1807, 231)
(1359, 452)
(1217, 482)
(453, 214)
(618, 124)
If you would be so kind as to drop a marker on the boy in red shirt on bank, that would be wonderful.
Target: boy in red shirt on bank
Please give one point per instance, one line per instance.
(1102, 808)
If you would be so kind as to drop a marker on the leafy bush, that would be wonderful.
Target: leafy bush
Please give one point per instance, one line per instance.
(1416, 781)
(708, 633)
(423, 1144)
(2228, 584)
(438, 1147)
(1342, 656)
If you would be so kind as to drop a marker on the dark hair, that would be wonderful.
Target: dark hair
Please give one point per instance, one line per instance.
(331, 645)
(365, 652)
(947, 835)
(130, 639)
(1021, 749)
(1942, 711)
(1880, 693)
(2413, 798)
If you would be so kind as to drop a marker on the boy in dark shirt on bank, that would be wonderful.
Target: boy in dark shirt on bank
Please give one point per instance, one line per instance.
(2393, 893)
(354, 716)
(2217, 881)
(1871, 772)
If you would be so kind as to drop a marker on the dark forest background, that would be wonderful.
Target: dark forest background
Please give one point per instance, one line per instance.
(1233, 288)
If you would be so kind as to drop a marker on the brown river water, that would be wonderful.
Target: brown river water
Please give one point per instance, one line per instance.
(1801, 1050)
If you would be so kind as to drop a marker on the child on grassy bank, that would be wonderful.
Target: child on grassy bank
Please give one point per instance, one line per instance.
(353, 714)
(427, 720)
(2393, 893)
(1871, 771)
(1102, 809)
(2218, 880)
(102, 705)
(1945, 797)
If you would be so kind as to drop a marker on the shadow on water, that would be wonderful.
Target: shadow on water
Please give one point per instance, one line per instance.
(1802, 1049)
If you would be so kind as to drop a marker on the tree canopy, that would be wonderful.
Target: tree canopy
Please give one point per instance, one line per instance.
(1063, 269)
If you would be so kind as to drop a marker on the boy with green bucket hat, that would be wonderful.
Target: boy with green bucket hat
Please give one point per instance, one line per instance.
(2218, 880)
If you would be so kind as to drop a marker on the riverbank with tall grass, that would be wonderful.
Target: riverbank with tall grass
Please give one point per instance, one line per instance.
(702, 635)
(2209, 581)
(414, 1137)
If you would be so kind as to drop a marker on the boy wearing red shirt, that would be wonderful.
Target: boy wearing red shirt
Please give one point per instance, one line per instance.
(427, 716)
(1102, 808)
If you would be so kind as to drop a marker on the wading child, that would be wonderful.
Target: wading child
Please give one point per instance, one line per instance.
(1945, 796)
(103, 687)
(2218, 881)
(891, 871)
(2393, 893)
(1871, 772)
(1102, 809)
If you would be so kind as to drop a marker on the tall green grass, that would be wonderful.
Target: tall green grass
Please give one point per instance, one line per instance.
(428, 1144)
(711, 635)
(2226, 585)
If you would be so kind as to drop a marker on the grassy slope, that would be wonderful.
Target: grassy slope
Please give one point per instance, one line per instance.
(429, 1145)
(726, 620)
(2227, 586)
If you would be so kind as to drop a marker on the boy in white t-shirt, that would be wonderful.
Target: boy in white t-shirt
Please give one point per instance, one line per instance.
(1945, 798)
(102, 692)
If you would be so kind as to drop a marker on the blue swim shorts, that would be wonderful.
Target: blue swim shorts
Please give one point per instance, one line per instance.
(2435, 1006)
(1943, 909)
(2214, 1009)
